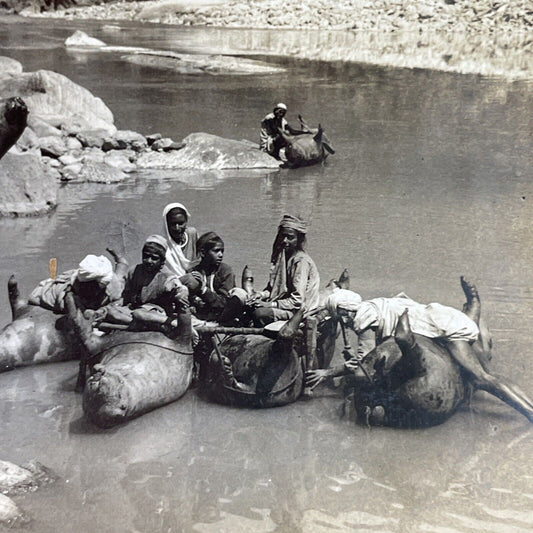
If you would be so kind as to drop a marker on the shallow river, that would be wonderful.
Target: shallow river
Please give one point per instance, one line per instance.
(431, 180)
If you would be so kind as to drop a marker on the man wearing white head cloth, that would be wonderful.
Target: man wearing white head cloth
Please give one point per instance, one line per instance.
(401, 317)
(94, 285)
(270, 141)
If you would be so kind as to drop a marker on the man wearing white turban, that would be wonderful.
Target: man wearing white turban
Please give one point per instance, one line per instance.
(94, 285)
(270, 141)
(401, 317)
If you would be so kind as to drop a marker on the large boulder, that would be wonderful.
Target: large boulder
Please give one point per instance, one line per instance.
(57, 100)
(9, 67)
(28, 187)
(203, 151)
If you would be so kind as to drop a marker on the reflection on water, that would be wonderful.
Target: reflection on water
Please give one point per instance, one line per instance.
(431, 180)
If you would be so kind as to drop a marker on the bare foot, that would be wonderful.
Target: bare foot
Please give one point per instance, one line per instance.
(472, 307)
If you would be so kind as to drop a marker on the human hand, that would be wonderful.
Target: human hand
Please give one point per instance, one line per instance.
(200, 279)
(257, 297)
(313, 378)
(181, 297)
(352, 364)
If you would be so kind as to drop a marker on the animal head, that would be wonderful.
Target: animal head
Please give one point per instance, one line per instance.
(382, 358)
(15, 110)
(105, 399)
(342, 282)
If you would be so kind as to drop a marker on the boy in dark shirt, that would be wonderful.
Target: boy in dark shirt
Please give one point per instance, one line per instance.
(210, 280)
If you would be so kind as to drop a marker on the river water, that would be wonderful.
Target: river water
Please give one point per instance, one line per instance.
(431, 180)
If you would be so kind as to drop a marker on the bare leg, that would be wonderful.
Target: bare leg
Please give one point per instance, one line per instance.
(500, 387)
(82, 328)
(472, 309)
(17, 303)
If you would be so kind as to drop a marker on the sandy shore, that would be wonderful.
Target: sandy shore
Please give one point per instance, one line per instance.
(486, 37)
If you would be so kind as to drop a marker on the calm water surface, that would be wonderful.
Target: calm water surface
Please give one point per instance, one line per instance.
(432, 179)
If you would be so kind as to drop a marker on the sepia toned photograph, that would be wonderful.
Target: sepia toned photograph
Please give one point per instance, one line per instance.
(268, 266)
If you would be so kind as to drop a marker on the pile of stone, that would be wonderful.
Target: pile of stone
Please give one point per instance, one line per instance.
(382, 15)
(95, 156)
(490, 37)
(70, 137)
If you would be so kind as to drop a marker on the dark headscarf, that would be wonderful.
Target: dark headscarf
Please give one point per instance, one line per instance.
(287, 222)
(207, 241)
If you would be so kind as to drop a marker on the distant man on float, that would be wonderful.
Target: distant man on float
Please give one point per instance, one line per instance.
(271, 141)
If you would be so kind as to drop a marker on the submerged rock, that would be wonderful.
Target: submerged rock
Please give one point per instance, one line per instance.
(98, 172)
(201, 63)
(203, 151)
(13, 476)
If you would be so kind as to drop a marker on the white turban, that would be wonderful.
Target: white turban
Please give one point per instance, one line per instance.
(343, 298)
(98, 268)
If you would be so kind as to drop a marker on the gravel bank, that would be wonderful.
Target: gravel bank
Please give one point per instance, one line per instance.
(484, 36)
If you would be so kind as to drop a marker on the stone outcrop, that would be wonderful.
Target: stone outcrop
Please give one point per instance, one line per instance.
(203, 151)
(9, 67)
(70, 137)
(57, 100)
(487, 37)
(28, 186)
(9, 512)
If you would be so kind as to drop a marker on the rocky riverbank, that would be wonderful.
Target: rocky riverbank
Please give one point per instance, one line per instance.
(70, 137)
(486, 37)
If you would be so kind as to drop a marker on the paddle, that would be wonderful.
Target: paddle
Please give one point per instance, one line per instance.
(52, 267)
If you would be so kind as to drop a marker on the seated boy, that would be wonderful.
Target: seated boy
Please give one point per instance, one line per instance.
(150, 295)
(210, 280)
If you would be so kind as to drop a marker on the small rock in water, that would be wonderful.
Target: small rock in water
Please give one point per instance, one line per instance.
(12, 475)
(9, 512)
(81, 39)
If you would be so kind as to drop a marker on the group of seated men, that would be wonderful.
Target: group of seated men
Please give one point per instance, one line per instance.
(181, 269)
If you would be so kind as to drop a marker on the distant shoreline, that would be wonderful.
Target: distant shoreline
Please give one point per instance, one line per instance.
(482, 37)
